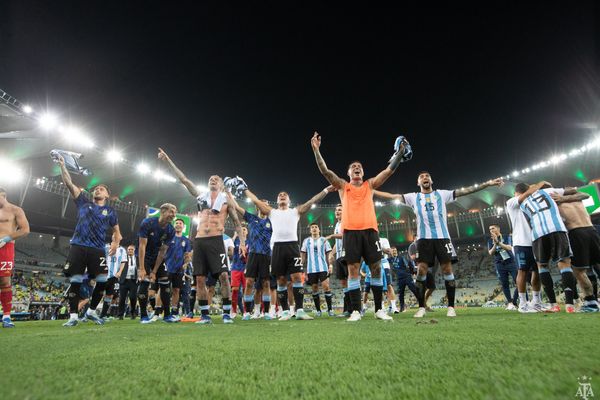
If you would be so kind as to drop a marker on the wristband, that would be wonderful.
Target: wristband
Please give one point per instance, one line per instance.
(6, 239)
(325, 191)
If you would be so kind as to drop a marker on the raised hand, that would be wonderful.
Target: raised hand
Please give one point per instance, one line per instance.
(315, 142)
(162, 155)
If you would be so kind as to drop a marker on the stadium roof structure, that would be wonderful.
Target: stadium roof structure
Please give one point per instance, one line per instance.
(33, 180)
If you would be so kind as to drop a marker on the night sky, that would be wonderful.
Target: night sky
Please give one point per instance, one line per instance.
(232, 89)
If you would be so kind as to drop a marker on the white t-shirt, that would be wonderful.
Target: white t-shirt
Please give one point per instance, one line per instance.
(285, 225)
(385, 245)
(521, 232)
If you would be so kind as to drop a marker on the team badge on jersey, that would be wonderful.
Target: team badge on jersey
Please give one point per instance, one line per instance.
(104, 212)
(182, 244)
(268, 225)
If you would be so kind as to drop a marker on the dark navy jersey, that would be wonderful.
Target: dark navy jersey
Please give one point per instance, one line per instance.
(157, 236)
(259, 234)
(401, 265)
(93, 222)
(178, 246)
(239, 262)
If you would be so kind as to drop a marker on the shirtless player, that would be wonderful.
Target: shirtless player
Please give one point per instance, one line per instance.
(13, 225)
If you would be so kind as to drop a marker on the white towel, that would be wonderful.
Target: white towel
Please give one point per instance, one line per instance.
(204, 201)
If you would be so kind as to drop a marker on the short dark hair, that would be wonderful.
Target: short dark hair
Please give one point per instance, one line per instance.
(496, 225)
(104, 186)
(353, 162)
(521, 187)
(424, 172)
(179, 219)
(312, 223)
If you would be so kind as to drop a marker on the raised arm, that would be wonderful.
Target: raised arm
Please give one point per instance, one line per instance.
(231, 201)
(180, 175)
(380, 178)
(262, 206)
(477, 188)
(331, 177)
(569, 191)
(571, 198)
(236, 223)
(66, 177)
(532, 189)
(303, 208)
(389, 196)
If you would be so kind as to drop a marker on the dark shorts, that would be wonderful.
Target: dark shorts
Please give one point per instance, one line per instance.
(210, 257)
(341, 269)
(317, 277)
(551, 247)
(428, 250)
(258, 266)
(112, 286)
(585, 243)
(524, 258)
(362, 244)
(176, 280)
(82, 258)
(211, 281)
(286, 259)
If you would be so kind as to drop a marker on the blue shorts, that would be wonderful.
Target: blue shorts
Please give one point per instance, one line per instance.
(524, 258)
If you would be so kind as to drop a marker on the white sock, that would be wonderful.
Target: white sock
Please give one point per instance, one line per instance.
(536, 297)
(90, 312)
(73, 316)
(522, 298)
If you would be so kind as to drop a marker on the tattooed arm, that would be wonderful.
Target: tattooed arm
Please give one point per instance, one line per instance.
(331, 177)
(474, 189)
(180, 175)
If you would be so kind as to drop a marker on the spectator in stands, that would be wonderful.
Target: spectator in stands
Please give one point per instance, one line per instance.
(500, 247)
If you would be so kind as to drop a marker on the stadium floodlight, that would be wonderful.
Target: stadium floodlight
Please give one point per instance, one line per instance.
(527, 170)
(499, 210)
(396, 201)
(476, 185)
(114, 156)
(48, 121)
(27, 109)
(11, 173)
(313, 206)
(515, 174)
(574, 153)
(142, 168)
(378, 204)
(73, 135)
(248, 200)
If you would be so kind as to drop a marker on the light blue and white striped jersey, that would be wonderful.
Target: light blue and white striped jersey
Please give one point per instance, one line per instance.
(542, 213)
(316, 254)
(430, 209)
(114, 262)
(339, 243)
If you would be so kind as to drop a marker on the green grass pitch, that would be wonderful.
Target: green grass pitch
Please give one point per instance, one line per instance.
(482, 354)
